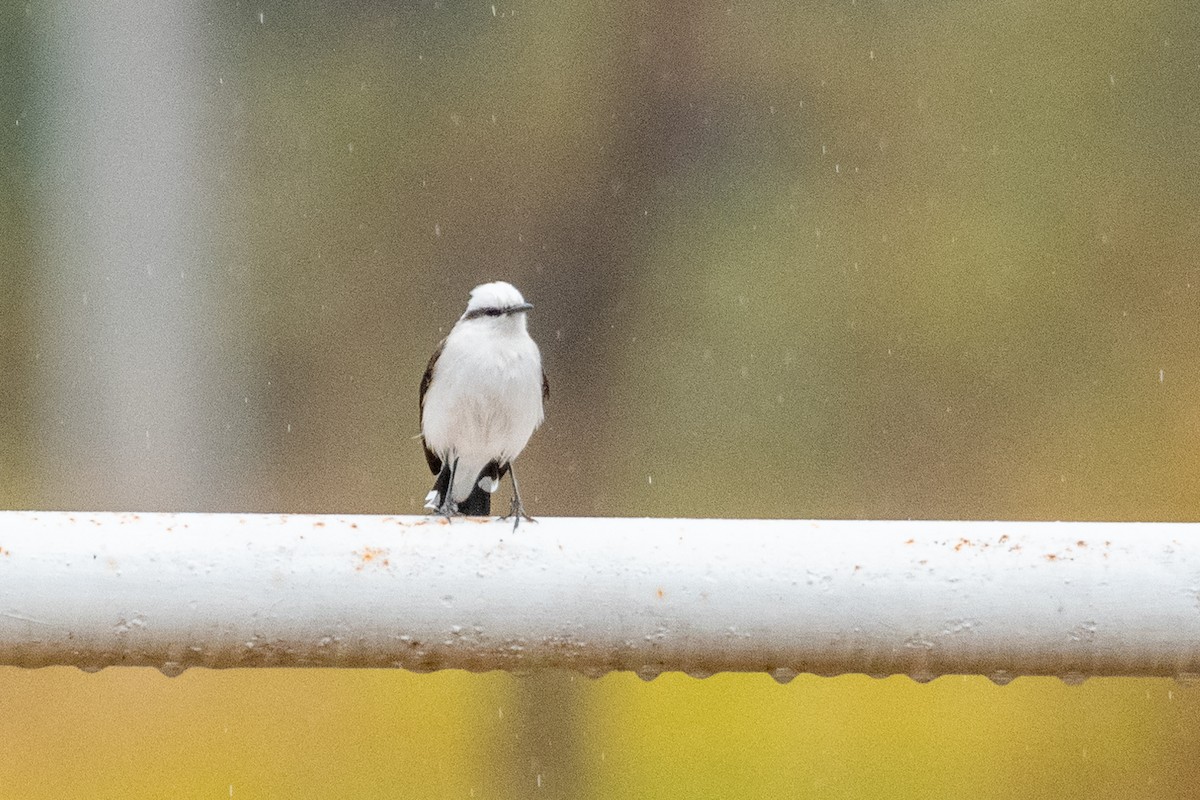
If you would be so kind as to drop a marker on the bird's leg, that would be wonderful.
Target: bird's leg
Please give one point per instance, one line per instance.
(516, 509)
(448, 508)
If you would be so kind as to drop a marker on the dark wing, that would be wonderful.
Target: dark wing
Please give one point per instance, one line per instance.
(545, 387)
(435, 463)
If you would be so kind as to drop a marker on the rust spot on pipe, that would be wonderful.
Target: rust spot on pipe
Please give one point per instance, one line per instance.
(371, 555)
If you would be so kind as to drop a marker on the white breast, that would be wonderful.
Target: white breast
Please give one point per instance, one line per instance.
(484, 399)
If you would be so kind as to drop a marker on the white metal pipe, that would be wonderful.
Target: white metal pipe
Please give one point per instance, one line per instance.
(922, 598)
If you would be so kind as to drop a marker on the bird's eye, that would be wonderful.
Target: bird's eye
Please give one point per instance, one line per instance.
(494, 312)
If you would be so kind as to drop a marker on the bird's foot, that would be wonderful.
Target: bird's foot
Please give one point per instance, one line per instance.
(443, 508)
(517, 511)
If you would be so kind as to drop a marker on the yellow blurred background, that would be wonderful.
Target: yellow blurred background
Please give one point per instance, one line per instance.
(851, 259)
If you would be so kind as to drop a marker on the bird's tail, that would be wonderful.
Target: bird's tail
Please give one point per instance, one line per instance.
(477, 504)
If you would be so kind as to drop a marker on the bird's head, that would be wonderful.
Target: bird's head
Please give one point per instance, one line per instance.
(498, 304)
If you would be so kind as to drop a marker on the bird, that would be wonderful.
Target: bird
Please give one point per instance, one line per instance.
(482, 396)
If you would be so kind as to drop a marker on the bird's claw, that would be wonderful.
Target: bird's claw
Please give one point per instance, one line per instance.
(442, 508)
(517, 511)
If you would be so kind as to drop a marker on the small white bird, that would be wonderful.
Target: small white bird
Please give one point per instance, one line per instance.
(481, 399)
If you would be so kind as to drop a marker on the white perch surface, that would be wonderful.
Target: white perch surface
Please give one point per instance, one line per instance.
(922, 598)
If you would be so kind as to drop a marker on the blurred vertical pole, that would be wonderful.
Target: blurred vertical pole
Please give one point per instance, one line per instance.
(543, 744)
(125, 308)
(15, 259)
(660, 132)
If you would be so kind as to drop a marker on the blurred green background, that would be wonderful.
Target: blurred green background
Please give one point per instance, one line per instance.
(849, 259)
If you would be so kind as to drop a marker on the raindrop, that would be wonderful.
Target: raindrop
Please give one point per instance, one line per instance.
(783, 675)
(648, 673)
(90, 669)
(922, 676)
(700, 674)
(1001, 677)
(1073, 678)
(172, 669)
(1188, 679)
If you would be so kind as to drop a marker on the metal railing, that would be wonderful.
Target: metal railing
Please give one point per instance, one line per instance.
(1001, 599)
